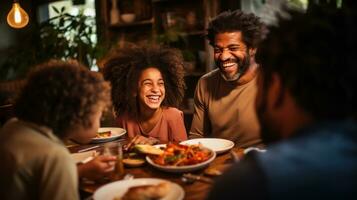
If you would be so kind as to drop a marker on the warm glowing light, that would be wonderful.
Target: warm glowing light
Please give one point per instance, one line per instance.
(17, 17)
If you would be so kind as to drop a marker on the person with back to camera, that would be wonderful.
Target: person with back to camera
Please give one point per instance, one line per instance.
(61, 100)
(147, 87)
(224, 98)
(306, 105)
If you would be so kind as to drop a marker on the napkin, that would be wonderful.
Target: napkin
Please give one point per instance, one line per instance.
(83, 157)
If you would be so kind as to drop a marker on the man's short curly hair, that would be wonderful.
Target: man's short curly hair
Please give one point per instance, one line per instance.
(124, 67)
(62, 95)
(233, 21)
(314, 54)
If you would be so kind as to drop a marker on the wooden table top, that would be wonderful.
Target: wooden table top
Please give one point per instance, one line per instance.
(194, 191)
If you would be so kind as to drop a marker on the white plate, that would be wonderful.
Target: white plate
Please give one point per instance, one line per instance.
(116, 133)
(117, 189)
(181, 169)
(216, 144)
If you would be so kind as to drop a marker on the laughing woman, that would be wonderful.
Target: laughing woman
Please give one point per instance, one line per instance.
(147, 87)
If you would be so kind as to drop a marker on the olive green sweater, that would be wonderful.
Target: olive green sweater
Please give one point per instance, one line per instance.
(225, 109)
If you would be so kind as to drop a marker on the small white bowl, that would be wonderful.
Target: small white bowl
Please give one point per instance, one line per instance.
(128, 18)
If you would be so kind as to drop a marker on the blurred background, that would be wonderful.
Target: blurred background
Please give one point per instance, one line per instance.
(87, 30)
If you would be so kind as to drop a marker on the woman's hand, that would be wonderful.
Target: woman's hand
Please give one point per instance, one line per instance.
(97, 168)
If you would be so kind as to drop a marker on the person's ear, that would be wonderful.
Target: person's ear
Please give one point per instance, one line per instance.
(276, 93)
(252, 51)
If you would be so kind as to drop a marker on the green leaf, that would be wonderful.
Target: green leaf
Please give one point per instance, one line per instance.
(56, 10)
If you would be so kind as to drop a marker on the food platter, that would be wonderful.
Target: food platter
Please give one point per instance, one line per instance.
(182, 168)
(216, 144)
(115, 133)
(117, 189)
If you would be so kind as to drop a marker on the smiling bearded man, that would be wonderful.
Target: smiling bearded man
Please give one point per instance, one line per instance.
(306, 106)
(224, 98)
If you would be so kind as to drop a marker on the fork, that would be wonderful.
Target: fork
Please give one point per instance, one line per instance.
(190, 178)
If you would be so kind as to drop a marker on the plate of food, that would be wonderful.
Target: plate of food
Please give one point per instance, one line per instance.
(216, 144)
(106, 134)
(140, 188)
(180, 158)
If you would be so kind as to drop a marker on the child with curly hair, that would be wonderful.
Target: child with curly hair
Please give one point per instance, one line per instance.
(147, 87)
(60, 101)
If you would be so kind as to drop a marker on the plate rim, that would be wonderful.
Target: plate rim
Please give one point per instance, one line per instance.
(219, 151)
(179, 187)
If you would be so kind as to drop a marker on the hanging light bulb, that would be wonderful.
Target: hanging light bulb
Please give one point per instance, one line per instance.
(17, 17)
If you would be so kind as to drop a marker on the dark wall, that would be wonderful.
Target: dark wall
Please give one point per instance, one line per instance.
(10, 37)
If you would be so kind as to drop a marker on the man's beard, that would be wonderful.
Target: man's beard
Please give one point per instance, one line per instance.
(243, 65)
(268, 132)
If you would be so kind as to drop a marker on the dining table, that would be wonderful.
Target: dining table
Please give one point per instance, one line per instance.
(194, 190)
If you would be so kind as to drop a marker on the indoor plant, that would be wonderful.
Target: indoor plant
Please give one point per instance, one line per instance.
(65, 36)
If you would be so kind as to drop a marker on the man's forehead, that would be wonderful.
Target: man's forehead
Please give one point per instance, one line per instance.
(229, 38)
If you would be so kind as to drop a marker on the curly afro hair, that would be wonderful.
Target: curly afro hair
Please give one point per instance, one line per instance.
(62, 95)
(124, 67)
(232, 21)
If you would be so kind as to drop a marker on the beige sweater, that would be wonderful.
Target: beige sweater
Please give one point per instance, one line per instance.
(225, 110)
(38, 165)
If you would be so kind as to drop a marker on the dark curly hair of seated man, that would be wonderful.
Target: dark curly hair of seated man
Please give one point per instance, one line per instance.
(232, 21)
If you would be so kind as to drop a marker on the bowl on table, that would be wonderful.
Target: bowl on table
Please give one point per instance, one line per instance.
(128, 17)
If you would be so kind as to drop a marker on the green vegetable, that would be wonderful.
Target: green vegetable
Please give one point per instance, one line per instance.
(148, 149)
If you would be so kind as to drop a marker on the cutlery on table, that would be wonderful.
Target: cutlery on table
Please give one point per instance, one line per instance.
(89, 148)
(190, 178)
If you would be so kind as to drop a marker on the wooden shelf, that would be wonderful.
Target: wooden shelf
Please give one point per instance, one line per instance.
(133, 24)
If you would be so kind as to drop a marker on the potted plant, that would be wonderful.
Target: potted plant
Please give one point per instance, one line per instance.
(69, 36)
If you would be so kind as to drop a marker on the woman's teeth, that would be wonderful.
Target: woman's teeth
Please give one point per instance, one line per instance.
(154, 99)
